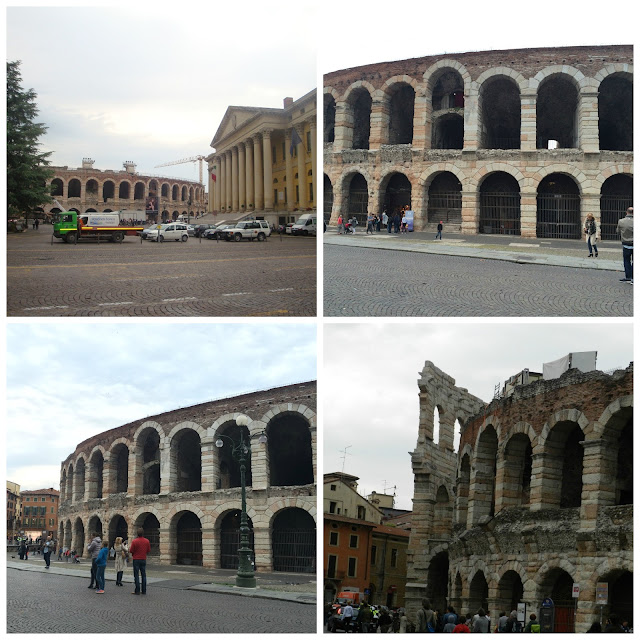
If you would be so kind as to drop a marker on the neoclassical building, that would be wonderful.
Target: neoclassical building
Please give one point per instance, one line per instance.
(537, 498)
(524, 142)
(87, 189)
(264, 160)
(166, 475)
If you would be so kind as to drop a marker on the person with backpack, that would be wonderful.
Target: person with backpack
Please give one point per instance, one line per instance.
(425, 619)
(533, 626)
(591, 231)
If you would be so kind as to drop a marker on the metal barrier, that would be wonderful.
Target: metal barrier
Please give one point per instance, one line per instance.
(500, 213)
(558, 216)
(294, 550)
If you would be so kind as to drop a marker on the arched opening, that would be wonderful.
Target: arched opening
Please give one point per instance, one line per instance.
(358, 198)
(616, 196)
(483, 491)
(401, 104)
(558, 585)
(229, 467)
(517, 471)
(293, 541)
(557, 112)
(80, 479)
(436, 424)
(445, 199)
(108, 190)
(124, 191)
(151, 527)
(438, 581)
(457, 430)
(94, 528)
(510, 591)
(562, 472)
(615, 113)
(92, 188)
(230, 540)
(620, 595)
(443, 514)
(500, 204)
(329, 118)
(96, 468)
(397, 193)
(68, 535)
(328, 198)
(138, 191)
(69, 492)
(56, 187)
(74, 189)
(359, 102)
(183, 195)
(290, 454)
(64, 495)
(174, 192)
(448, 132)
(189, 539)
(499, 114)
(624, 476)
(187, 461)
(118, 528)
(120, 468)
(150, 443)
(164, 191)
(616, 464)
(448, 90)
(78, 534)
(558, 208)
(478, 593)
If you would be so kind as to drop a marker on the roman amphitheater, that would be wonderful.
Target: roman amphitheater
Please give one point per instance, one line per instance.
(538, 497)
(166, 475)
(524, 142)
(86, 190)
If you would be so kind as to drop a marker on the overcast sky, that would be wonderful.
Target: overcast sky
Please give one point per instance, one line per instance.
(368, 33)
(150, 82)
(69, 381)
(371, 372)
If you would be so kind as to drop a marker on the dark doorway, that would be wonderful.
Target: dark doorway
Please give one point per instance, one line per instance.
(558, 208)
(189, 540)
(230, 540)
(290, 455)
(293, 539)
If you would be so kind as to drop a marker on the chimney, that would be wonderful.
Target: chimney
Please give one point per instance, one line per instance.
(288, 102)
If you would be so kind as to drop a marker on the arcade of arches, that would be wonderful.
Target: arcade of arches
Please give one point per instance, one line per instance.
(170, 479)
(523, 510)
(550, 132)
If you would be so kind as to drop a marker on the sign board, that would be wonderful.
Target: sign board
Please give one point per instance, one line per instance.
(575, 592)
(602, 593)
(367, 592)
(409, 217)
(547, 603)
(521, 611)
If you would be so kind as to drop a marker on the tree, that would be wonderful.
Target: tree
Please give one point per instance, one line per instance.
(27, 171)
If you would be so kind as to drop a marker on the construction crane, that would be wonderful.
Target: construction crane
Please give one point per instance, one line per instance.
(192, 159)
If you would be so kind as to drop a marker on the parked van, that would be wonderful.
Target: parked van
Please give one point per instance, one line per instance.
(306, 225)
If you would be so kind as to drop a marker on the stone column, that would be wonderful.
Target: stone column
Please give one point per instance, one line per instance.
(165, 468)
(167, 546)
(257, 173)
(251, 203)
(314, 162)
(108, 475)
(379, 131)
(262, 548)
(472, 119)
(470, 212)
(207, 448)
(421, 128)
(539, 484)
(222, 182)
(302, 175)
(336, 209)
(267, 169)
(598, 480)
(343, 127)
(227, 185)
(242, 178)
(587, 121)
(208, 546)
(528, 120)
(234, 179)
(136, 476)
(528, 214)
(289, 169)
(259, 462)
(216, 185)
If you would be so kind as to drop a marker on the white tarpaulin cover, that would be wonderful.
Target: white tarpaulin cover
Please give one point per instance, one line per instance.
(583, 360)
(555, 369)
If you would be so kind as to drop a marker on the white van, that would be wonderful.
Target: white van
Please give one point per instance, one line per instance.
(306, 225)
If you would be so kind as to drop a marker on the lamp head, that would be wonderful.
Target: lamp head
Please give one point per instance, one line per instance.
(242, 420)
(219, 443)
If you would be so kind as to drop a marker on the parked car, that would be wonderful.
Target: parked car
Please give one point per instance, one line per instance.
(217, 231)
(177, 231)
(144, 234)
(201, 228)
(191, 230)
(337, 623)
(248, 230)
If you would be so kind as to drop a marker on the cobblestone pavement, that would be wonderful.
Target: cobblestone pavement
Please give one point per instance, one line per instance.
(43, 602)
(196, 278)
(365, 282)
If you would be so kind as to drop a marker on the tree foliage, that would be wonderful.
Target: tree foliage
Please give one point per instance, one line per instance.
(27, 165)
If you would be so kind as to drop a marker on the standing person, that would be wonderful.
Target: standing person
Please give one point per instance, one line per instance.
(121, 550)
(481, 622)
(364, 617)
(94, 549)
(101, 565)
(46, 551)
(37, 223)
(439, 234)
(591, 232)
(139, 549)
(404, 222)
(425, 617)
(533, 626)
(625, 229)
(389, 223)
(22, 549)
(370, 223)
(348, 616)
(340, 224)
(385, 620)
(378, 221)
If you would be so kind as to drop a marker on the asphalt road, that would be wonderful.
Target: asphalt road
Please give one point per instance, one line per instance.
(134, 279)
(379, 283)
(52, 603)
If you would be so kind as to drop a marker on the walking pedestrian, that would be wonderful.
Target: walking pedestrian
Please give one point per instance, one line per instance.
(481, 622)
(440, 227)
(625, 229)
(370, 223)
(378, 221)
(101, 565)
(139, 549)
(425, 619)
(46, 551)
(94, 549)
(122, 551)
(404, 222)
(591, 232)
(340, 224)
(347, 617)
(364, 617)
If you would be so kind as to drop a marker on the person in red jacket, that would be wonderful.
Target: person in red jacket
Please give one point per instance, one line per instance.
(139, 549)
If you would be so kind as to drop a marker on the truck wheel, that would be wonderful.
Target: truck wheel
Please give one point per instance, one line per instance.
(237, 237)
(160, 238)
(118, 236)
(71, 238)
(184, 238)
(261, 237)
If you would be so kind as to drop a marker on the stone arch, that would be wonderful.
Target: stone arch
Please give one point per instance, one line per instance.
(443, 512)
(517, 77)
(293, 540)
(80, 477)
(289, 447)
(577, 77)
(599, 425)
(186, 529)
(563, 415)
(482, 493)
(96, 474)
(431, 75)
(397, 97)
(396, 196)
(557, 109)
(227, 470)
(124, 189)
(119, 465)
(474, 181)
(613, 68)
(148, 444)
(567, 169)
(357, 85)
(519, 427)
(185, 466)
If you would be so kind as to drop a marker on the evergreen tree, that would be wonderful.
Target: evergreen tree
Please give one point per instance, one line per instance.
(27, 171)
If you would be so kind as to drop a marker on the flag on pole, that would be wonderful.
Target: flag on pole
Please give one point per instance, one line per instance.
(213, 176)
(295, 140)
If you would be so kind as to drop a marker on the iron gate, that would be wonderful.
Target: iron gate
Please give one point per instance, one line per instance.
(612, 209)
(564, 616)
(358, 205)
(190, 547)
(153, 536)
(294, 550)
(445, 206)
(229, 545)
(558, 216)
(500, 213)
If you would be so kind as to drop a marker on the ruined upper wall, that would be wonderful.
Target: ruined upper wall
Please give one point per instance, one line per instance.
(588, 59)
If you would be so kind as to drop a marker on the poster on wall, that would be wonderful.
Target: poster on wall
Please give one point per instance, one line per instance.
(409, 215)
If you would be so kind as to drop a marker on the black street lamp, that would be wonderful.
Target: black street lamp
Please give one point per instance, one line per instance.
(241, 452)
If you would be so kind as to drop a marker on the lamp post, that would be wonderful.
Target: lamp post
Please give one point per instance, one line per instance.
(241, 452)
